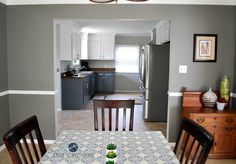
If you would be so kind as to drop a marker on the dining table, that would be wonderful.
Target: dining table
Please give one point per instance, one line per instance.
(89, 147)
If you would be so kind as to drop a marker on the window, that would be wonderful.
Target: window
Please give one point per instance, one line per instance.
(127, 58)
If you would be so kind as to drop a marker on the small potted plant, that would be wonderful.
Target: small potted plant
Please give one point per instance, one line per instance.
(111, 147)
(220, 104)
(111, 157)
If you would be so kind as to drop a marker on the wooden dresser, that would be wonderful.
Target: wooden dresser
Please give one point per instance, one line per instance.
(222, 124)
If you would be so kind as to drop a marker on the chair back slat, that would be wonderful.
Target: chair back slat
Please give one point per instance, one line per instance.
(195, 153)
(124, 119)
(33, 146)
(13, 138)
(184, 148)
(110, 119)
(110, 105)
(117, 119)
(103, 119)
(95, 119)
(188, 149)
(22, 154)
(28, 150)
(131, 119)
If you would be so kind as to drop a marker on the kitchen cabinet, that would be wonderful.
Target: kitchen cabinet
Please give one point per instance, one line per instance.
(92, 85)
(161, 34)
(70, 41)
(86, 95)
(101, 46)
(84, 46)
(105, 82)
(72, 93)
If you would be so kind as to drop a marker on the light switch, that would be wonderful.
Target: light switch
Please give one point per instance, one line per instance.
(183, 69)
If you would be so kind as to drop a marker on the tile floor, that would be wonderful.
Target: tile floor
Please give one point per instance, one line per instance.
(83, 119)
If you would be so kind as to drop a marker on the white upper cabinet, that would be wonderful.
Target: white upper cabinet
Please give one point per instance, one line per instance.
(162, 32)
(70, 41)
(101, 46)
(84, 45)
(108, 41)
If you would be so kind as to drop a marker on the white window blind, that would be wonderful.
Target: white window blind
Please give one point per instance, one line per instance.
(127, 58)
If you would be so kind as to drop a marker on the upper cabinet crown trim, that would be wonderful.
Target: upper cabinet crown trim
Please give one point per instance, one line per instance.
(193, 2)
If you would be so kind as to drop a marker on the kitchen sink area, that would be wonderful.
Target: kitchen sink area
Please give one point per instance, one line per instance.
(79, 87)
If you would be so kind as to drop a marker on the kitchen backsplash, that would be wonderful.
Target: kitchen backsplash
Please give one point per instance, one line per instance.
(101, 63)
(70, 64)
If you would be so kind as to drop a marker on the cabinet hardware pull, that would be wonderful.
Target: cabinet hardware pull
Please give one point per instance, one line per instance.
(229, 120)
(200, 120)
(228, 128)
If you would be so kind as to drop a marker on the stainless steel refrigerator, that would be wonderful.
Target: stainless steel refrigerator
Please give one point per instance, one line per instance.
(154, 80)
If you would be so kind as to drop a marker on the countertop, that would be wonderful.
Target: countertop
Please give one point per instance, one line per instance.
(79, 75)
(84, 74)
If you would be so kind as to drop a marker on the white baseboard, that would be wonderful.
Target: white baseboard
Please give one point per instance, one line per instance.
(2, 147)
(172, 144)
(126, 91)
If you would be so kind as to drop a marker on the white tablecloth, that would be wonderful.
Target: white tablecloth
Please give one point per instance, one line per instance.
(132, 147)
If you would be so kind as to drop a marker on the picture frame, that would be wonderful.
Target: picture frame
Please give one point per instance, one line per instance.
(204, 47)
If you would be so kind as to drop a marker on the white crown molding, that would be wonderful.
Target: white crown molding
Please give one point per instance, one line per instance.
(193, 2)
(3, 1)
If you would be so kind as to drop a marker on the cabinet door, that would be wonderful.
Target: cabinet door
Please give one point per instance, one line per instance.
(109, 82)
(84, 46)
(93, 84)
(223, 143)
(86, 89)
(100, 82)
(108, 47)
(72, 94)
(66, 35)
(76, 46)
(94, 47)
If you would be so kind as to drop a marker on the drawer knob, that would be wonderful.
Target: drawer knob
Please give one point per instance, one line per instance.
(200, 120)
(228, 128)
(229, 120)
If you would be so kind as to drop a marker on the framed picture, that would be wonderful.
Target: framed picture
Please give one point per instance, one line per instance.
(204, 47)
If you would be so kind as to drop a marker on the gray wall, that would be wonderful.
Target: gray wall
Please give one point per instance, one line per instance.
(234, 87)
(126, 82)
(4, 109)
(30, 48)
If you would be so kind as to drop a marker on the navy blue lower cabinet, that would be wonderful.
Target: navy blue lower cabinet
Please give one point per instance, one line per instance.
(72, 93)
(105, 82)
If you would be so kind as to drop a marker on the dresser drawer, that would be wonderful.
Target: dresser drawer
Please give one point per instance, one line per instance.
(225, 120)
(220, 128)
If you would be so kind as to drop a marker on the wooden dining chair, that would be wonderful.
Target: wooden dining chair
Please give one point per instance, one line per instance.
(193, 143)
(17, 144)
(112, 105)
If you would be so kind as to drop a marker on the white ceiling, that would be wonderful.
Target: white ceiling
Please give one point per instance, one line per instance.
(198, 2)
(122, 27)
